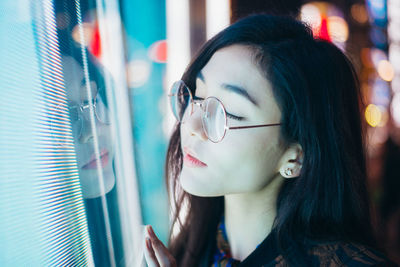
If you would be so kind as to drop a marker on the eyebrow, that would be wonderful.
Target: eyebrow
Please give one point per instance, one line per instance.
(233, 88)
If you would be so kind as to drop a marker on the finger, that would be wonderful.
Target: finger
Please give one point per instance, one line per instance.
(163, 255)
(156, 243)
(149, 254)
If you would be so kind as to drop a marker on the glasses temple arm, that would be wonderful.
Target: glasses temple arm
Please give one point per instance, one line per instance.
(253, 126)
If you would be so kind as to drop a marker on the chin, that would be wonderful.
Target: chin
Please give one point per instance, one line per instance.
(90, 184)
(200, 190)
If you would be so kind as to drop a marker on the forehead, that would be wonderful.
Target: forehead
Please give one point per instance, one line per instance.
(74, 81)
(236, 65)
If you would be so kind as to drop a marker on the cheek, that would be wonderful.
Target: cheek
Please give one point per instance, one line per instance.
(244, 161)
(250, 162)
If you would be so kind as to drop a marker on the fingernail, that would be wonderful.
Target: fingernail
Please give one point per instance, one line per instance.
(148, 243)
(150, 230)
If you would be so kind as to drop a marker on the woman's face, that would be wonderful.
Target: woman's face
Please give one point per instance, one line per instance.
(246, 160)
(83, 133)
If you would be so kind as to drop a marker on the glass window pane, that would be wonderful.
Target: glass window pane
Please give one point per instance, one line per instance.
(67, 179)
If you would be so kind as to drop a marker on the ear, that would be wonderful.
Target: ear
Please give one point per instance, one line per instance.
(291, 161)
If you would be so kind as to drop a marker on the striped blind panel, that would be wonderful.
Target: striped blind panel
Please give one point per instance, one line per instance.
(42, 217)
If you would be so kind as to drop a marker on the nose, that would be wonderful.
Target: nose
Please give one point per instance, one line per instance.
(86, 132)
(87, 129)
(192, 125)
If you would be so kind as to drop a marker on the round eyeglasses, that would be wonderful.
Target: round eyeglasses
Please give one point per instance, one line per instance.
(214, 119)
(76, 116)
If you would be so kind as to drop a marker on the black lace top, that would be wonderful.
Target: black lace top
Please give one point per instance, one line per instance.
(267, 254)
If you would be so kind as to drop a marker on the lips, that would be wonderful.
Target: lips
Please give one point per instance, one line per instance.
(92, 164)
(190, 160)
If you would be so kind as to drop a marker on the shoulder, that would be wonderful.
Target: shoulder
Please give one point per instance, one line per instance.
(346, 254)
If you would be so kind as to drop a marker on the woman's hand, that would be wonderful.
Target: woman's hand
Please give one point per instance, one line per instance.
(156, 254)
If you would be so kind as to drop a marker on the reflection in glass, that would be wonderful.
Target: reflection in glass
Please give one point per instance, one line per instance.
(68, 185)
(79, 105)
(94, 149)
(92, 130)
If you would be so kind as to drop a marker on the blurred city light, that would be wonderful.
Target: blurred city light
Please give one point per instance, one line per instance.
(158, 51)
(326, 21)
(338, 29)
(311, 15)
(395, 109)
(380, 94)
(88, 31)
(393, 9)
(377, 55)
(396, 84)
(377, 10)
(385, 70)
(394, 56)
(373, 115)
(138, 72)
(359, 13)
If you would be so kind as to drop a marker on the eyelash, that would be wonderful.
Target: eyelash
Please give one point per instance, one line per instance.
(234, 117)
(197, 98)
(228, 115)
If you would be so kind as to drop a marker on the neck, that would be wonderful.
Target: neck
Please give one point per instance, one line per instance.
(249, 218)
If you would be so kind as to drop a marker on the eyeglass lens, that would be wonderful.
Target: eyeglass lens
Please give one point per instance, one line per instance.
(101, 110)
(76, 113)
(180, 99)
(213, 113)
(214, 119)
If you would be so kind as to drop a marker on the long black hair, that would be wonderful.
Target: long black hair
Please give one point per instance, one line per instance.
(318, 93)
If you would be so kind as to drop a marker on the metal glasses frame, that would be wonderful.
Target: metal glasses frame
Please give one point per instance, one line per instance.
(81, 107)
(226, 127)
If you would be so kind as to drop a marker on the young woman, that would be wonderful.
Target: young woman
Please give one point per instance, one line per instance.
(266, 162)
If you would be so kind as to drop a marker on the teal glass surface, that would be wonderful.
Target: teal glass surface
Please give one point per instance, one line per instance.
(41, 207)
(145, 27)
(68, 193)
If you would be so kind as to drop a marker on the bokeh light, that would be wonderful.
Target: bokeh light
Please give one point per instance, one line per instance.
(338, 29)
(88, 33)
(359, 13)
(377, 9)
(311, 15)
(377, 55)
(326, 21)
(373, 115)
(138, 72)
(158, 51)
(394, 57)
(395, 109)
(396, 84)
(393, 30)
(385, 70)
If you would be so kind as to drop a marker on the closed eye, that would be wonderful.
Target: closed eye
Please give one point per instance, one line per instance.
(228, 115)
(231, 116)
(197, 98)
